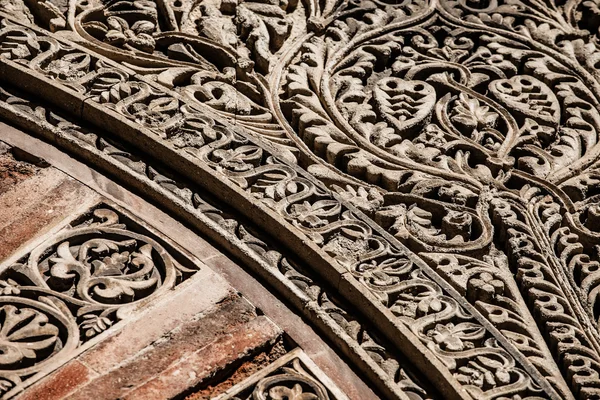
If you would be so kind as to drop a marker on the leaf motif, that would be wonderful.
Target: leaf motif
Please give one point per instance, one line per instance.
(472, 115)
(117, 23)
(94, 325)
(405, 105)
(528, 96)
(143, 27)
(23, 332)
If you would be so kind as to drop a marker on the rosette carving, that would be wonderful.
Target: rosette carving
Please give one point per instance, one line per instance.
(34, 335)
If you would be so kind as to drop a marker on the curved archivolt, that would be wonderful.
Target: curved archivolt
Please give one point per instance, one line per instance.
(435, 164)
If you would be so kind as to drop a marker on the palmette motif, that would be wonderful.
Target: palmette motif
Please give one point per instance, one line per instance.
(440, 157)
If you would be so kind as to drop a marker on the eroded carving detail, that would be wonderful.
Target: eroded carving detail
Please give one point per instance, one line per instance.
(441, 157)
(72, 288)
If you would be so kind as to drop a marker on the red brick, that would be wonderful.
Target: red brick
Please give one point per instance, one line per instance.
(34, 205)
(195, 296)
(12, 172)
(59, 384)
(181, 342)
(190, 371)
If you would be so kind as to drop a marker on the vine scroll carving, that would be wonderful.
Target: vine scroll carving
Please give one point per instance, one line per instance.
(433, 165)
(73, 288)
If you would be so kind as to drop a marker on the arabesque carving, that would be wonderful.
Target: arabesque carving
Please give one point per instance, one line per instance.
(291, 377)
(433, 165)
(74, 287)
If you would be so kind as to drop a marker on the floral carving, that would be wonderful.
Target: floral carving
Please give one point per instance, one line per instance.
(134, 37)
(440, 159)
(24, 334)
(456, 338)
(99, 270)
(69, 289)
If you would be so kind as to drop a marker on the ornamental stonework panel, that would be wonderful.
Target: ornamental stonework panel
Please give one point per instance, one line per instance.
(75, 286)
(97, 303)
(418, 181)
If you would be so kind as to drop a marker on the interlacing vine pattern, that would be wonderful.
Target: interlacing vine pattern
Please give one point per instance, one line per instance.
(290, 381)
(74, 287)
(435, 164)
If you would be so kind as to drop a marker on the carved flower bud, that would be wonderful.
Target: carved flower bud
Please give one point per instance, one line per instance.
(457, 223)
(484, 288)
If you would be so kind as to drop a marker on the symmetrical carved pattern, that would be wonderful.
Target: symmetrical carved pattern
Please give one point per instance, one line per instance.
(396, 375)
(437, 163)
(72, 288)
(287, 378)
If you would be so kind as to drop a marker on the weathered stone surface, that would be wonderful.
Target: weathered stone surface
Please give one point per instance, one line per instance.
(418, 179)
(237, 344)
(124, 279)
(12, 171)
(192, 295)
(184, 357)
(59, 384)
(160, 320)
(33, 200)
(293, 375)
(242, 372)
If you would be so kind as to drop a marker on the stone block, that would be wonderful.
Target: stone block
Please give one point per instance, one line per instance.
(59, 384)
(232, 323)
(34, 200)
(201, 293)
(237, 345)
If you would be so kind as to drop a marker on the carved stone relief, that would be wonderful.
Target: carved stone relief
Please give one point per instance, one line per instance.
(315, 299)
(432, 165)
(69, 290)
(293, 376)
